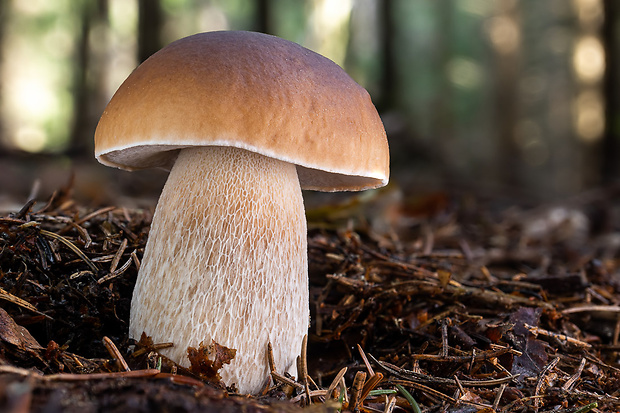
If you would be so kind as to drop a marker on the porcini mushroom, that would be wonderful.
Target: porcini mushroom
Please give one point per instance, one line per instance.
(244, 120)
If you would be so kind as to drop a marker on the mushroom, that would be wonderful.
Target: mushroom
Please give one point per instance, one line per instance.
(245, 121)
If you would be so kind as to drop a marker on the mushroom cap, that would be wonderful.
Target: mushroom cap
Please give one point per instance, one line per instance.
(251, 91)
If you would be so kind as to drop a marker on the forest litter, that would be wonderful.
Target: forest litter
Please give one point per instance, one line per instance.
(459, 307)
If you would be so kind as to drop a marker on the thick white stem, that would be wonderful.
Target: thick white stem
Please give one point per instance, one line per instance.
(226, 259)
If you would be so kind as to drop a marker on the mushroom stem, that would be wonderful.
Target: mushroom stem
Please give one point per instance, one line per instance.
(226, 259)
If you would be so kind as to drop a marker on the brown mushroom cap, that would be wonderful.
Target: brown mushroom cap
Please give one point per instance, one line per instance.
(251, 91)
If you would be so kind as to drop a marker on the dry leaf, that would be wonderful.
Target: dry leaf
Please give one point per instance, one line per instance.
(206, 361)
(12, 333)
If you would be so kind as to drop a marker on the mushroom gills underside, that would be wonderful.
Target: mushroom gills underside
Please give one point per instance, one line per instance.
(226, 260)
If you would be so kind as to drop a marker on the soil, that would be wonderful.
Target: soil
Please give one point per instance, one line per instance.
(442, 303)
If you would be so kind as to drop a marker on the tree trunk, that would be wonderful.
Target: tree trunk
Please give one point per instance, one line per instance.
(150, 22)
(388, 69)
(3, 20)
(506, 108)
(87, 81)
(443, 116)
(263, 16)
(611, 139)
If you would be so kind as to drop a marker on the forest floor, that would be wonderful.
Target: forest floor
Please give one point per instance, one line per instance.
(444, 303)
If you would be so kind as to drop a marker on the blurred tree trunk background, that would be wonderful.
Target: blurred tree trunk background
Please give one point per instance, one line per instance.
(150, 24)
(88, 77)
(3, 12)
(611, 39)
(263, 16)
(515, 96)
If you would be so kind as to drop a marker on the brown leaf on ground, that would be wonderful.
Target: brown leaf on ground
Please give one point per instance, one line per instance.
(12, 333)
(145, 341)
(206, 361)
